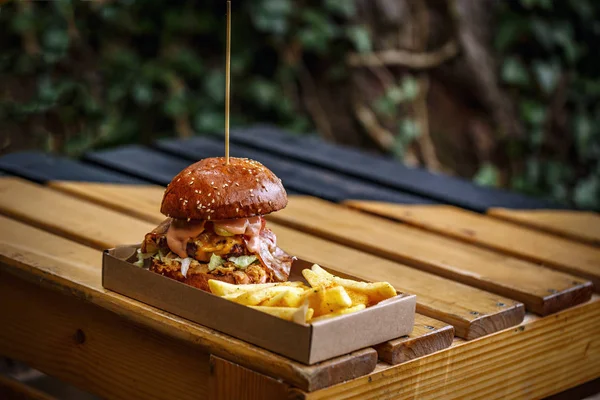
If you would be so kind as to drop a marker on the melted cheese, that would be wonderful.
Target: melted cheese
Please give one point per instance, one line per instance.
(249, 227)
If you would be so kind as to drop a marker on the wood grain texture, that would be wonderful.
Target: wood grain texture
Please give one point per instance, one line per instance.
(94, 349)
(135, 200)
(11, 389)
(70, 268)
(428, 336)
(22, 200)
(541, 357)
(471, 311)
(230, 381)
(558, 253)
(514, 367)
(542, 290)
(576, 225)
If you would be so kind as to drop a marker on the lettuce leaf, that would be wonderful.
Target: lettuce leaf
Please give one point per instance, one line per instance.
(215, 262)
(242, 262)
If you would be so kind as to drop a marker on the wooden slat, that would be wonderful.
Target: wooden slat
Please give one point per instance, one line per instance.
(95, 349)
(230, 381)
(65, 266)
(542, 290)
(382, 170)
(141, 201)
(15, 390)
(513, 352)
(296, 176)
(41, 167)
(428, 336)
(545, 249)
(576, 225)
(472, 312)
(541, 357)
(103, 228)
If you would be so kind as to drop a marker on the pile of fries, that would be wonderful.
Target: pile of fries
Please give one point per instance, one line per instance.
(327, 296)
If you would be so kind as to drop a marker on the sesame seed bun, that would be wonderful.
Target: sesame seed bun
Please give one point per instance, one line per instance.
(212, 190)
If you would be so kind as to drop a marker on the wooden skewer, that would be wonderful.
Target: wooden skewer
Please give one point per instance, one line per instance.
(227, 81)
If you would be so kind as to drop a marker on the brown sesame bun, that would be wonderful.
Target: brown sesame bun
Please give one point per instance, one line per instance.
(213, 190)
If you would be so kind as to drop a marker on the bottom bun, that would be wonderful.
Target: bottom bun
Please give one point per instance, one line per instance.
(198, 276)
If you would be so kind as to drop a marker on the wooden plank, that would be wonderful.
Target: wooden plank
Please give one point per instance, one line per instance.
(46, 259)
(15, 390)
(548, 250)
(140, 201)
(140, 162)
(542, 290)
(103, 228)
(382, 170)
(575, 225)
(296, 176)
(428, 336)
(541, 357)
(230, 381)
(52, 262)
(472, 312)
(41, 167)
(95, 349)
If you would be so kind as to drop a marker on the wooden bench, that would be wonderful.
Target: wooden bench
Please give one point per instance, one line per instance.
(492, 321)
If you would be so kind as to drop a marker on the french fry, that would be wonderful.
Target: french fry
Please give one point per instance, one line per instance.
(316, 268)
(326, 300)
(328, 296)
(288, 298)
(357, 297)
(339, 312)
(303, 314)
(221, 288)
(316, 279)
(298, 314)
(376, 291)
(255, 297)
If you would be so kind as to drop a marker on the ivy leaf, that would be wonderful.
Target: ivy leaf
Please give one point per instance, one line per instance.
(533, 168)
(583, 127)
(214, 84)
(583, 8)
(533, 112)
(487, 175)
(360, 38)
(508, 32)
(514, 72)
(264, 92)
(542, 31)
(209, 121)
(408, 130)
(343, 8)
(175, 105)
(271, 15)
(317, 33)
(587, 192)
(564, 36)
(142, 93)
(410, 88)
(547, 74)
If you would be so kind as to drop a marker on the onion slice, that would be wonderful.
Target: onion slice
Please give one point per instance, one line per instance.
(185, 265)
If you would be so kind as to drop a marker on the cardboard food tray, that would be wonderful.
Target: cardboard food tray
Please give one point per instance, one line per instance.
(306, 343)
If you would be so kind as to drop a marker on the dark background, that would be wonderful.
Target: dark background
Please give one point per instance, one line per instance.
(502, 92)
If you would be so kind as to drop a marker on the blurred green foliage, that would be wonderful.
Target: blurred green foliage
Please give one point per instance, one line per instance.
(90, 74)
(550, 64)
(113, 72)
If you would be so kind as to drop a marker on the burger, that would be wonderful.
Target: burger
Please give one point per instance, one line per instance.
(215, 226)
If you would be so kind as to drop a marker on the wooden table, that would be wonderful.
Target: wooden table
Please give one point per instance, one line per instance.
(506, 309)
